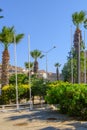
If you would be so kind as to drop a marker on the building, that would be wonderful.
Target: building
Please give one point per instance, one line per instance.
(50, 76)
(12, 70)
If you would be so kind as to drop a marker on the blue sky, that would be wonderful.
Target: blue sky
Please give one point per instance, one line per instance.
(47, 21)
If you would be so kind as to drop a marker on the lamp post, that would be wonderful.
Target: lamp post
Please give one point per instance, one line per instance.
(46, 54)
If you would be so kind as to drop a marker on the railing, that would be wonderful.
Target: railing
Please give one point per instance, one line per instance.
(14, 106)
(26, 106)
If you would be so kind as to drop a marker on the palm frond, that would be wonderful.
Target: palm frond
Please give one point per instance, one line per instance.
(78, 18)
(28, 64)
(1, 17)
(42, 56)
(7, 36)
(57, 65)
(85, 23)
(36, 54)
(1, 10)
(82, 15)
(19, 37)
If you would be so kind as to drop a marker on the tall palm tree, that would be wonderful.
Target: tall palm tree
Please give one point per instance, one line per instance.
(78, 18)
(57, 65)
(36, 54)
(7, 38)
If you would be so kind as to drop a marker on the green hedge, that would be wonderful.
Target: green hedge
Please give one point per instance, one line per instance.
(72, 98)
(9, 93)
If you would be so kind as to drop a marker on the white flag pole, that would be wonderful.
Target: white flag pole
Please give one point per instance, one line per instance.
(15, 60)
(31, 106)
(71, 58)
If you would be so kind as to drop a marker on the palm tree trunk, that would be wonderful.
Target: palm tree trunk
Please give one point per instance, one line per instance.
(5, 68)
(78, 63)
(35, 67)
(77, 39)
(57, 72)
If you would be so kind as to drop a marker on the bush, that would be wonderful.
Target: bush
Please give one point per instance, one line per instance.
(72, 98)
(9, 93)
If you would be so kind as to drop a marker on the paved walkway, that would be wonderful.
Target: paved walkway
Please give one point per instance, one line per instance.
(39, 119)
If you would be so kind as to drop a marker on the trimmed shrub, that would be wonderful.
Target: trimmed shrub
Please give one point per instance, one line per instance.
(72, 98)
(9, 93)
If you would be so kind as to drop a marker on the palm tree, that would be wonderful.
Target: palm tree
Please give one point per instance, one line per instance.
(7, 38)
(36, 54)
(57, 65)
(78, 18)
(29, 66)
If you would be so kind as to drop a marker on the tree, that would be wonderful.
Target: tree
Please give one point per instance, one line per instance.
(21, 79)
(78, 18)
(57, 65)
(66, 75)
(39, 88)
(6, 39)
(29, 67)
(66, 71)
(36, 54)
(9, 95)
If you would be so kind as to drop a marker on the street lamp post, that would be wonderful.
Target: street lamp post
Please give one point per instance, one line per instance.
(46, 54)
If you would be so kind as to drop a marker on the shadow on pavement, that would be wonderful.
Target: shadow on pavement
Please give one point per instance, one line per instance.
(48, 117)
(49, 128)
(40, 115)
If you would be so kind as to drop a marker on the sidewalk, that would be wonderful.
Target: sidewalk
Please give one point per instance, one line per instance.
(39, 119)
